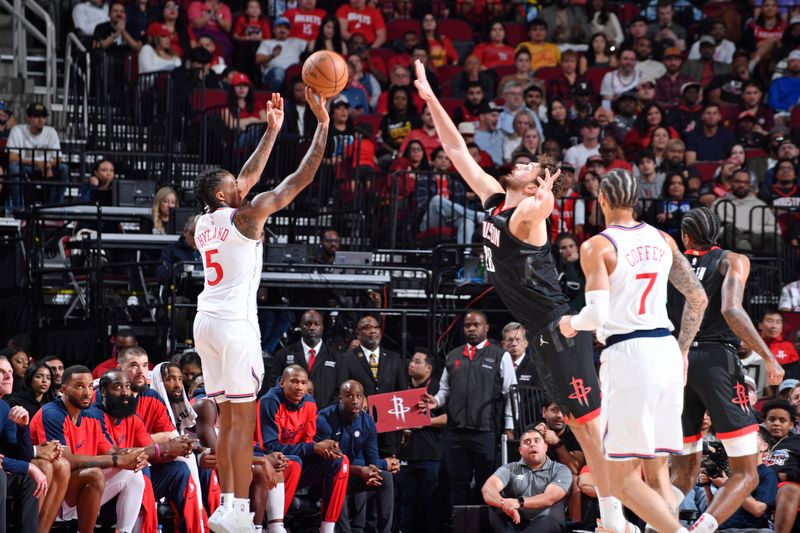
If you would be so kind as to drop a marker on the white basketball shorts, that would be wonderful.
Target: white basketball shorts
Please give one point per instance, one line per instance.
(231, 354)
(641, 381)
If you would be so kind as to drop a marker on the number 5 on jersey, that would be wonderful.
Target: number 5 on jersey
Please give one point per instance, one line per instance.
(216, 267)
(651, 277)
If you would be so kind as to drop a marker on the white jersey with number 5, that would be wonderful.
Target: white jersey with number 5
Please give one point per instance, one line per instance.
(638, 285)
(232, 265)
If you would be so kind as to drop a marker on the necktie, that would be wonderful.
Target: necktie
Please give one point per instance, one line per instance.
(469, 351)
(373, 364)
(311, 356)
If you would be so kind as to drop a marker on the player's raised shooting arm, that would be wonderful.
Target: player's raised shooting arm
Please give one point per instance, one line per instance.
(738, 270)
(255, 164)
(479, 181)
(250, 219)
(684, 279)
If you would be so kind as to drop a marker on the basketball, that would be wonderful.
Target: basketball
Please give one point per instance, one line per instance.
(326, 72)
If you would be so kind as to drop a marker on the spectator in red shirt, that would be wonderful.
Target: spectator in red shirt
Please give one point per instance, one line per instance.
(99, 471)
(306, 20)
(426, 134)
(212, 18)
(496, 52)
(440, 48)
(183, 38)
(639, 136)
(771, 329)
(358, 17)
(252, 25)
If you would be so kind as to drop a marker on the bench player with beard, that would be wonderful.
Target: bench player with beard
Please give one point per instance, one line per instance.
(519, 259)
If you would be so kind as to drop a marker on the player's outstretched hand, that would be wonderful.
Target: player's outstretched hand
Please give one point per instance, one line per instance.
(275, 112)
(423, 86)
(774, 373)
(546, 184)
(317, 104)
(565, 325)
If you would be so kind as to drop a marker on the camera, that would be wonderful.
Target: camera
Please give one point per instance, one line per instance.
(715, 460)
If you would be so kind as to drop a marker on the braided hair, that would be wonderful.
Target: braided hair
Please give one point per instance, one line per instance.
(702, 225)
(620, 189)
(205, 188)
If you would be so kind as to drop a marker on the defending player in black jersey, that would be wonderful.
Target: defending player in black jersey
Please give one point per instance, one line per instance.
(715, 381)
(520, 262)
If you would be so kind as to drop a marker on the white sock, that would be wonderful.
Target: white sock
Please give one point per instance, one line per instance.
(679, 495)
(275, 500)
(705, 524)
(259, 529)
(242, 504)
(326, 527)
(226, 501)
(611, 514)
(276, 527)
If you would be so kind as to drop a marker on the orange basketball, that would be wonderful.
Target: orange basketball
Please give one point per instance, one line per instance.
(326, 72)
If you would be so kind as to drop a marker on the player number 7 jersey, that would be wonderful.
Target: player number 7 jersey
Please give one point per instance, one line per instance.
(638, 285)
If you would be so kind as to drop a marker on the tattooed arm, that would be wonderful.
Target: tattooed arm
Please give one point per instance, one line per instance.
(737, 270)
(254, 166)
(250, 219)
(684, 279)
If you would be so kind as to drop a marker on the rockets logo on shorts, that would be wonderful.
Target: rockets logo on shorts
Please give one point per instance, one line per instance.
(741, 399)
(581, 391)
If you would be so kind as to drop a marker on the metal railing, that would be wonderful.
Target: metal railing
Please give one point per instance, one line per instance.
(79, 75)
(22, 29)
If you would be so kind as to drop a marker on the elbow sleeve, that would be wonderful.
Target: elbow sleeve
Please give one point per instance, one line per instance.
(594, 314)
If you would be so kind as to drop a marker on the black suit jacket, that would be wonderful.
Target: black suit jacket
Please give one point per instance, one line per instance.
(392, 371)
(392, 376)
(323, 375)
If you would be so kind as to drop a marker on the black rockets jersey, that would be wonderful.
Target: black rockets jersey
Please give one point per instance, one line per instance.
(714, 328)
(524, 275)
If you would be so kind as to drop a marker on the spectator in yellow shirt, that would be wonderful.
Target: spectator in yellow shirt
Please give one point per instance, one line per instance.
(543, 54)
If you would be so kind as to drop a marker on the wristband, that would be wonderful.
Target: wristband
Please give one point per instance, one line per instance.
(157, 449)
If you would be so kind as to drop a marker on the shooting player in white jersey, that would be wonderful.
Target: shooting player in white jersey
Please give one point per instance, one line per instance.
(643, 368)
(229, 238)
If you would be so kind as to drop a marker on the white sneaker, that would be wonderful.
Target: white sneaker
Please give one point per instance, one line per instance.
(215, 520)
(236, 521)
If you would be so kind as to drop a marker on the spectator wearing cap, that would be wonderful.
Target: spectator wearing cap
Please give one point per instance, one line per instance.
(784, 92)
(710, 141)
(358, 17)
(582, 106)
(647, 67)
(785, 389)
(646, 92)
(542, 53)
(686, 117)
(157, 55)
(7, 120)
(704, 69)
(668, 86)
(197, 73)
(512, 106)
(87, 15)
(488, 137)
(665, 32)
(212, 18)
(636, 28)
(468, 110)
(726, 90)
(724, 49)
(784, 191)
(113, 36)
(787, 149)
(771, 329)
(35, 149)
(625, 112)
(623, 78)
(566, 23)
(564, 85)
(276, 55)
(244, 110)
(590, 144)
(745, 132)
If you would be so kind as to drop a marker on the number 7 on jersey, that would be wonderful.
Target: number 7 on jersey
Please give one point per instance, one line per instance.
(651, 277)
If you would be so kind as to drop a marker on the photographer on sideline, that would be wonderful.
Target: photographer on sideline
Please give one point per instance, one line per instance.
(757, 507)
